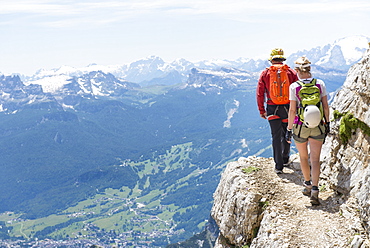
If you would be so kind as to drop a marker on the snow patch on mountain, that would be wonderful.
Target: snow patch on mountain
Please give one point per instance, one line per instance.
(230, 113)
(349, 49)
(51, 84)
(220, 79)
(353, 47)
(339, 55)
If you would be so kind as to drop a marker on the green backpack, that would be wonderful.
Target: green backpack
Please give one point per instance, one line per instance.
(308, 94)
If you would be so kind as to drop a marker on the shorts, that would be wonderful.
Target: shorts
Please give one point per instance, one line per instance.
(317, 133)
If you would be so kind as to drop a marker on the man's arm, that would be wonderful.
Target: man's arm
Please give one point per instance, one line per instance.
(260, 94)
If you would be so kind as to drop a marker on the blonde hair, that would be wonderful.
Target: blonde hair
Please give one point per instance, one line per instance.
(303, 64)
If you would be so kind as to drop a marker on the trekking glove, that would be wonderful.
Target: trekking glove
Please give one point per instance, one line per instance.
(288, 135)
(327, 128)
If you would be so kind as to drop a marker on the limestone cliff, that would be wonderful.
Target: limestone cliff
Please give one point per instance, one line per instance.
(346, 166)
(254, 207)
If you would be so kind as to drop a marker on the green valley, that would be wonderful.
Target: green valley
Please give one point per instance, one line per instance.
(144, 213)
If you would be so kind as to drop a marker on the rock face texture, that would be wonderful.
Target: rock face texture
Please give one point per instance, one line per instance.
(346, 166)
(238, 214)
(254, 207)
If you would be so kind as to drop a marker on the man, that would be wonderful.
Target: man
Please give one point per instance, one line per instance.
(273, 81)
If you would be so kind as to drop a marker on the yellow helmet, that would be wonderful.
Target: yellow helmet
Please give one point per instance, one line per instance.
(277, 53)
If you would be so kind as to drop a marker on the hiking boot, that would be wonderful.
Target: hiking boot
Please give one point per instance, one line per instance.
(287, 164)
(314, 197)
(307, 189)
(277, 171)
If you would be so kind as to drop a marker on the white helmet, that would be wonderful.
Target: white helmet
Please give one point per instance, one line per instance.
(312, 116)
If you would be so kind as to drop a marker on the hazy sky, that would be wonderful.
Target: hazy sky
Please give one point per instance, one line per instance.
(48, 34)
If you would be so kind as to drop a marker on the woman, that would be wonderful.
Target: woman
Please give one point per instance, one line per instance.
(304, 135)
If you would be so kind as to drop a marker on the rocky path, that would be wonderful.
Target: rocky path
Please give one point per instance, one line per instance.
(290, 220)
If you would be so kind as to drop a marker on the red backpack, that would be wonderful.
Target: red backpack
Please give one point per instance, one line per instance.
(279, 84)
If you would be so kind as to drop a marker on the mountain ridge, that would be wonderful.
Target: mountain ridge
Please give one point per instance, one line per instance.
(149, 70)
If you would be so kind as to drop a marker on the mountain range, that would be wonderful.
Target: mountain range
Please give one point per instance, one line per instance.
(335, 57)
(98, 151)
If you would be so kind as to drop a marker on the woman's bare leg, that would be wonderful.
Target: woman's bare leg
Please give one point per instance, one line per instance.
(315, 151)
(303, 155)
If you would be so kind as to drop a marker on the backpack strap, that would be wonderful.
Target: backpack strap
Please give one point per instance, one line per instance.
(300, 83)
(275, 116)
(300, 129)
(300, 107)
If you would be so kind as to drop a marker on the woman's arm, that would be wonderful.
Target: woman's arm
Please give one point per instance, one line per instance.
(292, 113)
(325, 107)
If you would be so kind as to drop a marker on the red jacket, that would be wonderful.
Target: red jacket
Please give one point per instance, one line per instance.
(264, 84)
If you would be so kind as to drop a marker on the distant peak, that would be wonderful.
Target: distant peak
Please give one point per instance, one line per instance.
(153, 57)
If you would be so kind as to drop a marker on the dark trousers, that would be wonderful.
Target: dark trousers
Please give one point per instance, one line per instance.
(280, 148)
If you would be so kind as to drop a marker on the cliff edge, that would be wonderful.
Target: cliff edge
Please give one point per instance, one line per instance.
(254, 207)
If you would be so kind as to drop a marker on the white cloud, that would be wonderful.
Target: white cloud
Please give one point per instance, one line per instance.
(69, 12)
(36, 7)
(201, 6)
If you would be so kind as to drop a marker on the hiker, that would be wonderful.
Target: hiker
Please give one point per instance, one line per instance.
(273, 85)
(308, 117)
